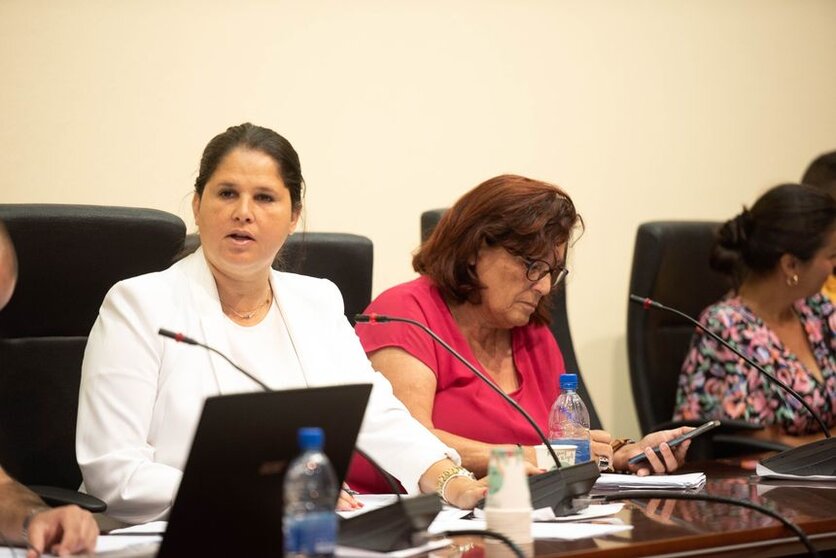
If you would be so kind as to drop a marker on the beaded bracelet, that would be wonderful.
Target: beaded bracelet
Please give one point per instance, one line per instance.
(448, 475)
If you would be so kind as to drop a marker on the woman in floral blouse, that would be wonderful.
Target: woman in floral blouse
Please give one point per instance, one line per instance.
(779, 255)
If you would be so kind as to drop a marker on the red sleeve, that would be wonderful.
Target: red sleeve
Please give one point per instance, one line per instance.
(409, 300)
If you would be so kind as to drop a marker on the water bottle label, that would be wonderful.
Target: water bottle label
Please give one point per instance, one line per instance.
(311, 535)
(581, 448)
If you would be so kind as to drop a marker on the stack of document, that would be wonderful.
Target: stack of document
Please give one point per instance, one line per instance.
(612, 481)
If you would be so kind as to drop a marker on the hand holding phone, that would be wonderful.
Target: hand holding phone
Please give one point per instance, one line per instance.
(636, 459)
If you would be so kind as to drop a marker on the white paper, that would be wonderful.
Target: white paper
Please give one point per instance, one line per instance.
(114, 545)
(767, 473)
(547, 514)
(347, 552)
(591, 512)
(370, 502)
(446, 515)
(547, 530)
(142, 545)
(152, 527)
(613, 481)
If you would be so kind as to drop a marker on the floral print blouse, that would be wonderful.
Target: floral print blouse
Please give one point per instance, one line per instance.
(715, 383)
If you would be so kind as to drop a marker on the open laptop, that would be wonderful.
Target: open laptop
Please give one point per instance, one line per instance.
(230, 500)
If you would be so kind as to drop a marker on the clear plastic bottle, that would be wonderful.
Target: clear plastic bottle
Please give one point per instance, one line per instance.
(569, 419)
(310, 497)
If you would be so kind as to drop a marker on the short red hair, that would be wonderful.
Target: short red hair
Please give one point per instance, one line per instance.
(526, 216)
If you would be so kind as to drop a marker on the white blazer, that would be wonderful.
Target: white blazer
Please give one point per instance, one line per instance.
(141, 394)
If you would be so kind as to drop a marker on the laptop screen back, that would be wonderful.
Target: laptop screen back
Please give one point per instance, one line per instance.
(230, 498)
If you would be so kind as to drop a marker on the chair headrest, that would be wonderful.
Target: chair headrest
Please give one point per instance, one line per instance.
(69, 256)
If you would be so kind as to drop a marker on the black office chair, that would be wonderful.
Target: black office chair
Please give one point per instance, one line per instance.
(346, 259)
(670, 265)
(559, 322)
(69, 256)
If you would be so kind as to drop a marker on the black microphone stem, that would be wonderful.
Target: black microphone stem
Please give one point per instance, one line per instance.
(372, 318)
(646, 302)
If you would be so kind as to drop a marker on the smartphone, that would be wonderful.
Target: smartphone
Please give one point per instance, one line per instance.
(635, 460)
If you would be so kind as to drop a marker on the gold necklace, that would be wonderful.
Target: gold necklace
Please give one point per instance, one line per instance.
(249, 315)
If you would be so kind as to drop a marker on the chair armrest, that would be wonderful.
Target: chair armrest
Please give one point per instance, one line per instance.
(755, 444)
(55, 496)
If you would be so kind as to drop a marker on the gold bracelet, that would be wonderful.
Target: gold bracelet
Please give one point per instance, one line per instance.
(620, 443)
(448, 475)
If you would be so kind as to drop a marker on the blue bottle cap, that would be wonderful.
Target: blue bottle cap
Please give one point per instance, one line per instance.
(569, 381)
(311, 437)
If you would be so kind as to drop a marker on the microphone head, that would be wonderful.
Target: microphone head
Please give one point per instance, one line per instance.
(371, 318)
(645, 302)
(167, 333)
(179, 337)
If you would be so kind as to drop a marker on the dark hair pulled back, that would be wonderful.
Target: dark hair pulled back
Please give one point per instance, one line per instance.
(788, 219)
(260, 139)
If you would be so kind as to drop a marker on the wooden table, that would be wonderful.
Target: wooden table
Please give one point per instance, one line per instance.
(695, 528)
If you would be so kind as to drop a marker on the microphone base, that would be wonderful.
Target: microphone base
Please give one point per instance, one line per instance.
(815, 458)
(557, 488)
(393, 527)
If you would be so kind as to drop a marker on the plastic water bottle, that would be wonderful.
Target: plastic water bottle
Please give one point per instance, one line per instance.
(310, 496)
(569, 419)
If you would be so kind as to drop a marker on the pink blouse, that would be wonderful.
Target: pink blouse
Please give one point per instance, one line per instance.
(715, 383)
(463, 404)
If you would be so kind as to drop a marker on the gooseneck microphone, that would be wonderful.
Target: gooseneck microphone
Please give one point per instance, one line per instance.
(648, 303)
(556, 488)
(811, 459)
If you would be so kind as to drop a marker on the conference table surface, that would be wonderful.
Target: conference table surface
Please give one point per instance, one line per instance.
(699, 528)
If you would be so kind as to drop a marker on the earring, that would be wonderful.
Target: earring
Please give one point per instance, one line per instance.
(792, 281)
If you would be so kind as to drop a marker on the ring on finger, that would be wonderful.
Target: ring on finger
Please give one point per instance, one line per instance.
(604, 463)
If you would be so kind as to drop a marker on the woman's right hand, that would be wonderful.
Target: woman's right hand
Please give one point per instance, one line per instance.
(530, 461)
(466, 493)
(531, 469)
(600, 446)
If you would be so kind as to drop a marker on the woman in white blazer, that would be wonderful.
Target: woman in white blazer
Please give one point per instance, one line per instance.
(141, 396)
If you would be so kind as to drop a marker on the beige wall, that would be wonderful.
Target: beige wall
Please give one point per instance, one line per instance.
(641, 110)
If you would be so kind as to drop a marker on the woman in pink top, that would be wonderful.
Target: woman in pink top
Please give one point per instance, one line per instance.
(487, 272)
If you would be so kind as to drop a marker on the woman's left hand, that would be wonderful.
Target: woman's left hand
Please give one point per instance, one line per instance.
(671, 458)
(600, 449)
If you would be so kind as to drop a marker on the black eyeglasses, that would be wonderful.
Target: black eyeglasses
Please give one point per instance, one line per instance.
(537, 269)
